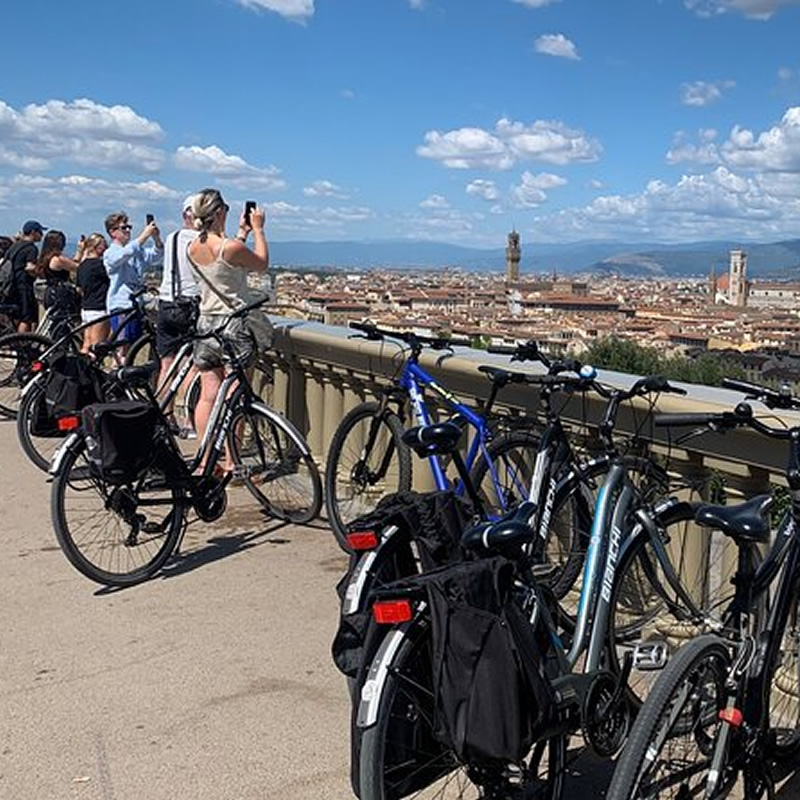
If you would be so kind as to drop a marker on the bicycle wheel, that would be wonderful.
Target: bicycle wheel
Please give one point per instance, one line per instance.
(668, 754)
(114, 535)
(18, 351)
(274, 461)
(645, 607)
(37, 432)
(400, 757)
(784, 691)
(143, 351)
(367, 461)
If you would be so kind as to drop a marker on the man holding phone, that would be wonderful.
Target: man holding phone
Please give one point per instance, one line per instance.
(126, 260)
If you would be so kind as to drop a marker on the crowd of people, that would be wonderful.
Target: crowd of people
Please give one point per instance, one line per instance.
(204, 278)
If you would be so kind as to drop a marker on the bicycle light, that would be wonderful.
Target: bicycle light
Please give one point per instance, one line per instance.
(733, 716)
(362, 540)
(388, 612)
(37, 366)
(68, 423)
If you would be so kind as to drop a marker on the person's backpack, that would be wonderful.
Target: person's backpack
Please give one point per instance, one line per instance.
(7, 291)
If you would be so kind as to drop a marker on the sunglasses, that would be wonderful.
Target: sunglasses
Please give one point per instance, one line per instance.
(124, 227)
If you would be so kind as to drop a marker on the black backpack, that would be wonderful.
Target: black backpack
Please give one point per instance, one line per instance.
(120, 439)
(8, 295)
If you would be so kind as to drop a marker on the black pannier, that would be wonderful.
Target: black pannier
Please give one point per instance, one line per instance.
(120, 438)
(72, 383)
(491, 692)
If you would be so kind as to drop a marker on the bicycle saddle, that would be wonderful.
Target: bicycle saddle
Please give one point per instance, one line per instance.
(504, 536)
(746, 522)
(440, 438)
(138, 375)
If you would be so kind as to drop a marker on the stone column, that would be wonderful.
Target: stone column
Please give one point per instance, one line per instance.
(315, 406)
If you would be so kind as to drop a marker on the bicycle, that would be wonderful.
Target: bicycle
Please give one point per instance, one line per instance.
(597, 699)
(367, 459)
(726, 706)
(123, 533)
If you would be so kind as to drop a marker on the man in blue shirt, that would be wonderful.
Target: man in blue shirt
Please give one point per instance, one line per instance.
(126, 260)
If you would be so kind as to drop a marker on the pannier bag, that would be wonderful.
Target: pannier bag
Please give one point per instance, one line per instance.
(72, 383)
(434, 521)
(491, 692)
(120, 439)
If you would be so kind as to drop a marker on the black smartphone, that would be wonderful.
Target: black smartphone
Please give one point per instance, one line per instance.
(248, 210)
(149, 218)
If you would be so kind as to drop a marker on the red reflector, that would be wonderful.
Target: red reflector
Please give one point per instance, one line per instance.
(37, 366)
(68, 423)
(362, 540)
(387, 612)
(733, 716)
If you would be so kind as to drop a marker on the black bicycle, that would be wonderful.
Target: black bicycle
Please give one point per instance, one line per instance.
(727, 705)
(119, 531)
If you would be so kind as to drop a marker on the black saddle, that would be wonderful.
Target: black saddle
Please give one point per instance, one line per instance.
(745, 522)
(438, 439)
(137, 375)
(505, 536)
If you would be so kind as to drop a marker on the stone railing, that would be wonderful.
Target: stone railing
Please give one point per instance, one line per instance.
(323, 371)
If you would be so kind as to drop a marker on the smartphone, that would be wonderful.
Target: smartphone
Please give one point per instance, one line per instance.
(248, 210)
(149, 218)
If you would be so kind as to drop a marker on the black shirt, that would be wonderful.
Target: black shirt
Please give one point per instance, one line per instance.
(25, 253)
(93, 281)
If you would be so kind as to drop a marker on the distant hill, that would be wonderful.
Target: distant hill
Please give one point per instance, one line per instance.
(774, 260)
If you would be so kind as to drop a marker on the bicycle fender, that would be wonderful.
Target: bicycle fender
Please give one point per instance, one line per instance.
(63, 448)
(28, 387)
(354, 593)
(282, 421)
(374, 686)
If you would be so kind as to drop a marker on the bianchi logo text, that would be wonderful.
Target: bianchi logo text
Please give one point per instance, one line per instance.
(611, 564)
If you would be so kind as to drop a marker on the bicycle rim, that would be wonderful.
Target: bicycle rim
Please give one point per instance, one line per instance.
(17, 354)
(114, 535)
(784, 691)
(275, 467)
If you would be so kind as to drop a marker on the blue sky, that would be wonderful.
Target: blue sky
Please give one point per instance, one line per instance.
(445, 120)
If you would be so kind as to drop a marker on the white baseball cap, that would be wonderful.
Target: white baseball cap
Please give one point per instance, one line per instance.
(188, 203)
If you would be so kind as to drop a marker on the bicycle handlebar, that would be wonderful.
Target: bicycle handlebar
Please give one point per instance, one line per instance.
(374, 333)
(771, 398)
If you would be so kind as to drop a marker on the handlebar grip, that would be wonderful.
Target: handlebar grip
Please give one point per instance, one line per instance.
(502, 350)
(744, 386)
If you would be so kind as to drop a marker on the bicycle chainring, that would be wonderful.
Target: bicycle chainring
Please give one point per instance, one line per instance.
(210, 500)
(605, 720)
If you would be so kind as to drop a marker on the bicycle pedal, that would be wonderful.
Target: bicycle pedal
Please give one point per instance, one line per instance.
(650, 656)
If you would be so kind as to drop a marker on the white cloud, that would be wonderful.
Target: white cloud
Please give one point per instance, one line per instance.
(756, 9)
(532, 189)
(323, 188)
(435, 201)
(556, 44)
(685, 151)
(534, 3)
(82, 132)
(483, 188)
(703, 93)
(476, 148)
(294, 10)
(416, 4)
(231, 169)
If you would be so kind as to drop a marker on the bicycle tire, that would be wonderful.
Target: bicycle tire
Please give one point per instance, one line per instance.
(783, 681)
(405, 715)
(143, 351)
(18, 351)
(699, 669)
(40, 449)
(129, 553)
(276, 464)
(349, 492)
(644, 607)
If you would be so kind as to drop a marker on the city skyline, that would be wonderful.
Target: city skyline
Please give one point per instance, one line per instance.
(440, 120)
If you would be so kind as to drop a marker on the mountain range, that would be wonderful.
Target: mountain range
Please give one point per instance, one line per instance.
(776, 260)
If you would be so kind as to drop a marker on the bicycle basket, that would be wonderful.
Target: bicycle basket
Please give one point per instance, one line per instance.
(120, 439)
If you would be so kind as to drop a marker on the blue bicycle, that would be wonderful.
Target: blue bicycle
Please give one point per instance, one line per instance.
(368, 460)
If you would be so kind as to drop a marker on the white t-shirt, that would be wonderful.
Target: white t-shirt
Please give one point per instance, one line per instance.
(187, 285)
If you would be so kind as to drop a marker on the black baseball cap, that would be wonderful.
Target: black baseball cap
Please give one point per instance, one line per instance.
(32, 226)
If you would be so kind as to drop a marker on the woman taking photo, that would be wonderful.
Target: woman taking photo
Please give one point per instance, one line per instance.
(221, 265)
(93, 282)
(60, 297)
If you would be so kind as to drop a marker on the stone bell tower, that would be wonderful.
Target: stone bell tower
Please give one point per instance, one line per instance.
(513, 257)
(737, 284)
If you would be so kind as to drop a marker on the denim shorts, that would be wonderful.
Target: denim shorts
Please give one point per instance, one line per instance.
(208, 353)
